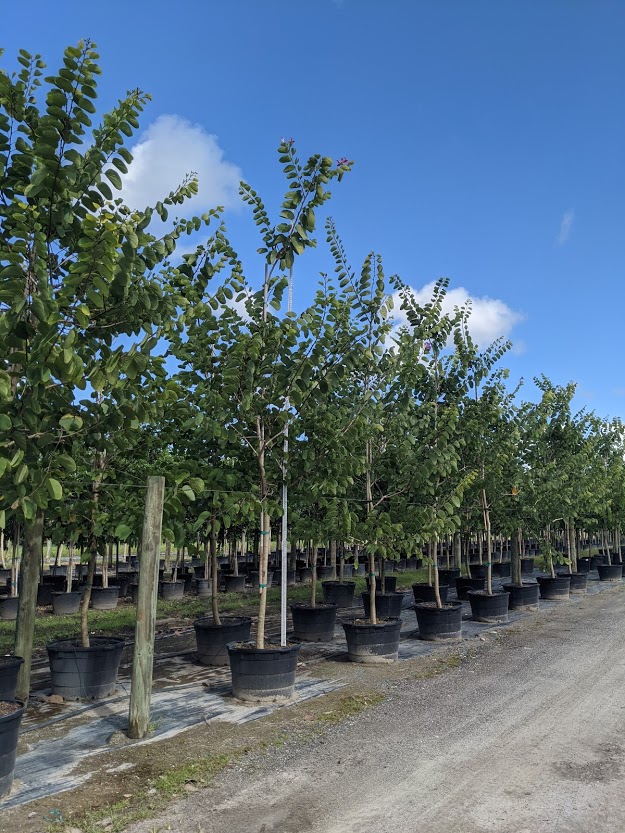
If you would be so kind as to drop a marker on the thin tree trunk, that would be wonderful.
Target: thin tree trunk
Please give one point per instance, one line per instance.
(27, 605)
(84, 608)
(313, 564)
(15, 558)
(70, 567)
(214, 570)
(515, 557)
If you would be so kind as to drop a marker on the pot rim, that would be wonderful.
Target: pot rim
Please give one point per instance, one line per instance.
(226, 622)
(249, 647)
(103, 643)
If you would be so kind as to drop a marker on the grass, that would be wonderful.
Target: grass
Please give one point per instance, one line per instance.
(121, 621)
(148, 802)
(350, 706)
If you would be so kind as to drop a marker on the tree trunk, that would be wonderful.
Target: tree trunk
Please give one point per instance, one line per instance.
(84, 607)
(515, 557)
(333, 558)
(457, 549)
(373, 617)
(27, 605)
(265, 546)
(15, 562)
(313, 585)
(70, 566)
(214, 571)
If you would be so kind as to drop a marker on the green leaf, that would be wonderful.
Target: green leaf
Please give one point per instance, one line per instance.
(122, 531)
(54, 488)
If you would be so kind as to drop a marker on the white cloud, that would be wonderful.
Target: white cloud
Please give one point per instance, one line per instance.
(171, 148)
(566, 227)
(490, 318)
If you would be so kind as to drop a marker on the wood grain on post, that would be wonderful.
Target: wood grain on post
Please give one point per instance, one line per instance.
(141, 686)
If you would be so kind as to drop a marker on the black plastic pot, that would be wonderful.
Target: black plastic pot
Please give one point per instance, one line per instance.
(387, 605)
(9, 669)
(448, 575)
(9, 734)
(372, 644)
(502, 569)
(211, 639)
(464, 584)
(172, 590)
(123, 583)
(478, 570)
(491, 608)
(266, 674)
(234, 584)
(65, 604)
(524, 597)
(314, 624)
(554, 589)
(360, 570)
(425, 592)
(348, 570)
(203, 587)
(597, 560)
(304, 574)
(85, 673)
(134, 592)
(437, 624)
(390, 584)
(579, 582)
(339, 593)
(324, 572)
(583, 565)
(104, 598)
(8, 607)
(527, 566)
(610, 572)
(44, 595)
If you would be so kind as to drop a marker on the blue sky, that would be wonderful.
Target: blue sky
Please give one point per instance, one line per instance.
(488, 137)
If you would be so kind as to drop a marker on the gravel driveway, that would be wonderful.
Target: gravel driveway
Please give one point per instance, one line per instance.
(527, 737)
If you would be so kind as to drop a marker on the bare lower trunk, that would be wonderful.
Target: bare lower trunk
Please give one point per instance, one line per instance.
(570, 529)
(84, 608)
(333, 558)
(15, 559)
(70, 567)
(515, 557)
(2, 557)
(313, 587)
(437, 592)
(206, 560)
(213, 561)
(373, 618)
(265, 546)
(167, 564)
(106, 560)
(457, 549)
(342, 563)
(383, 576)
(27, 606)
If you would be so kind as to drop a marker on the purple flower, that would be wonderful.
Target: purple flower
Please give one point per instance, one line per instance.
(427, 347)
(342, 161)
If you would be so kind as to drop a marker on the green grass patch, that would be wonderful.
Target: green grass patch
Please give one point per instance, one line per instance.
(350, 706)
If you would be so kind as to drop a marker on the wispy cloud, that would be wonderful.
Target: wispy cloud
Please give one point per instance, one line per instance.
(171, 148)
(566, 227)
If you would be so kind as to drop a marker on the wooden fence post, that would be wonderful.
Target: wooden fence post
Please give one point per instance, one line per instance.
(141, 686)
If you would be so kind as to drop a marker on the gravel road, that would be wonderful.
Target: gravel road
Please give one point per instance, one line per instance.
(527, 737)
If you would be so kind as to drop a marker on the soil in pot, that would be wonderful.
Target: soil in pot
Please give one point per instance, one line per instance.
(339, 593)
(314, 624)
(10, 718)
(66, 604)
(525, 597)
(491, 608)
(579, 582)
(464, 584)
(610, 572)
(171, 590)
(212, 639)
(85, 673)
(8, 607)
(387, 605)
(373, 644)
(436, 624)
(554, 589)
(234, 584)
(425, 592)
(263, 674)
(104, 598)
(9, 669)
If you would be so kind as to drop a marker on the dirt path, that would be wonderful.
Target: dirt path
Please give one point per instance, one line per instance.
(529, 737)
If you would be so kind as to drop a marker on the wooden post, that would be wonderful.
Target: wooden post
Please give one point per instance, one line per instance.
(141, 685)
(27, 605)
